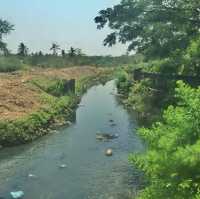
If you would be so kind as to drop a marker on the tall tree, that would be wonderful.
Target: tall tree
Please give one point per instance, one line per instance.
(5, 28)
(22, 49)
(55, 47)
(154, 27)
(40, 53)
(72, 52)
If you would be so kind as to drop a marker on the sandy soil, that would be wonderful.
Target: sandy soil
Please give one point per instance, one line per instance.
(18, 99)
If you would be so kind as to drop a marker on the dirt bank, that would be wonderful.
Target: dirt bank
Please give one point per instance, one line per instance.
(18, 98)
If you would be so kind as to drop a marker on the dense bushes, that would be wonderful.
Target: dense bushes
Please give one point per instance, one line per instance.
(122, 82)
(172, 161)
(150, 96)
(147, 97)
(192, 58)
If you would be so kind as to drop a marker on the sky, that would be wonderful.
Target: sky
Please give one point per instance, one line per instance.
(39, 23)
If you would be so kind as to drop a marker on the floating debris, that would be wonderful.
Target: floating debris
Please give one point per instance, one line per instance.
(106, 136)
(62, 166)
(113, 124)
(32, 176)
(109, 152)
(17, 194)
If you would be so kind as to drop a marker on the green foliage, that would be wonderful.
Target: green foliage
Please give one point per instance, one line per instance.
(5, 28)
(171, 163)
(49, 61)
(155, 28)
(192, 58)
(53, 86)
(33, 126)
(56, 106)
(9, 64)
(123, 83)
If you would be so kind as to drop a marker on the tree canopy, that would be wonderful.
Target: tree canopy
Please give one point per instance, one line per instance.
(55, 47)
(153, 27)
(5, 28)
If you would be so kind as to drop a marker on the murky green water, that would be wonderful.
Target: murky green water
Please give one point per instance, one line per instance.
(89, 174)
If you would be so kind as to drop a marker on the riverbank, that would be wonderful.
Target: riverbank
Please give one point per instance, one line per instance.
(142, 97)
(32, 103)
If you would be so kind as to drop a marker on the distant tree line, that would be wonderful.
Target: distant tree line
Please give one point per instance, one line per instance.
(23, 50)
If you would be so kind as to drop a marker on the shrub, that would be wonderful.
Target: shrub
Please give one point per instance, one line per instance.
(123, 83)
(171, 163)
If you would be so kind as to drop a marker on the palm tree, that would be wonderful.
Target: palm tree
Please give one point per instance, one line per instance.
(63, 53)
(55, 47)
(72, 52)
(5, 28)
(22, 50)
(40, 53)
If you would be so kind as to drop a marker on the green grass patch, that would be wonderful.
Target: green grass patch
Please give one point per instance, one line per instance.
(10, 64)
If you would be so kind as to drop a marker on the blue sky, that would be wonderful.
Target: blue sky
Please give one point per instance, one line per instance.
(38, 23)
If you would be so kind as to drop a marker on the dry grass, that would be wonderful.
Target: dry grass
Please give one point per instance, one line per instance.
(18, 99)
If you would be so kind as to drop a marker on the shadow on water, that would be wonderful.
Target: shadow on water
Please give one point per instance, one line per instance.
(87, 173)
